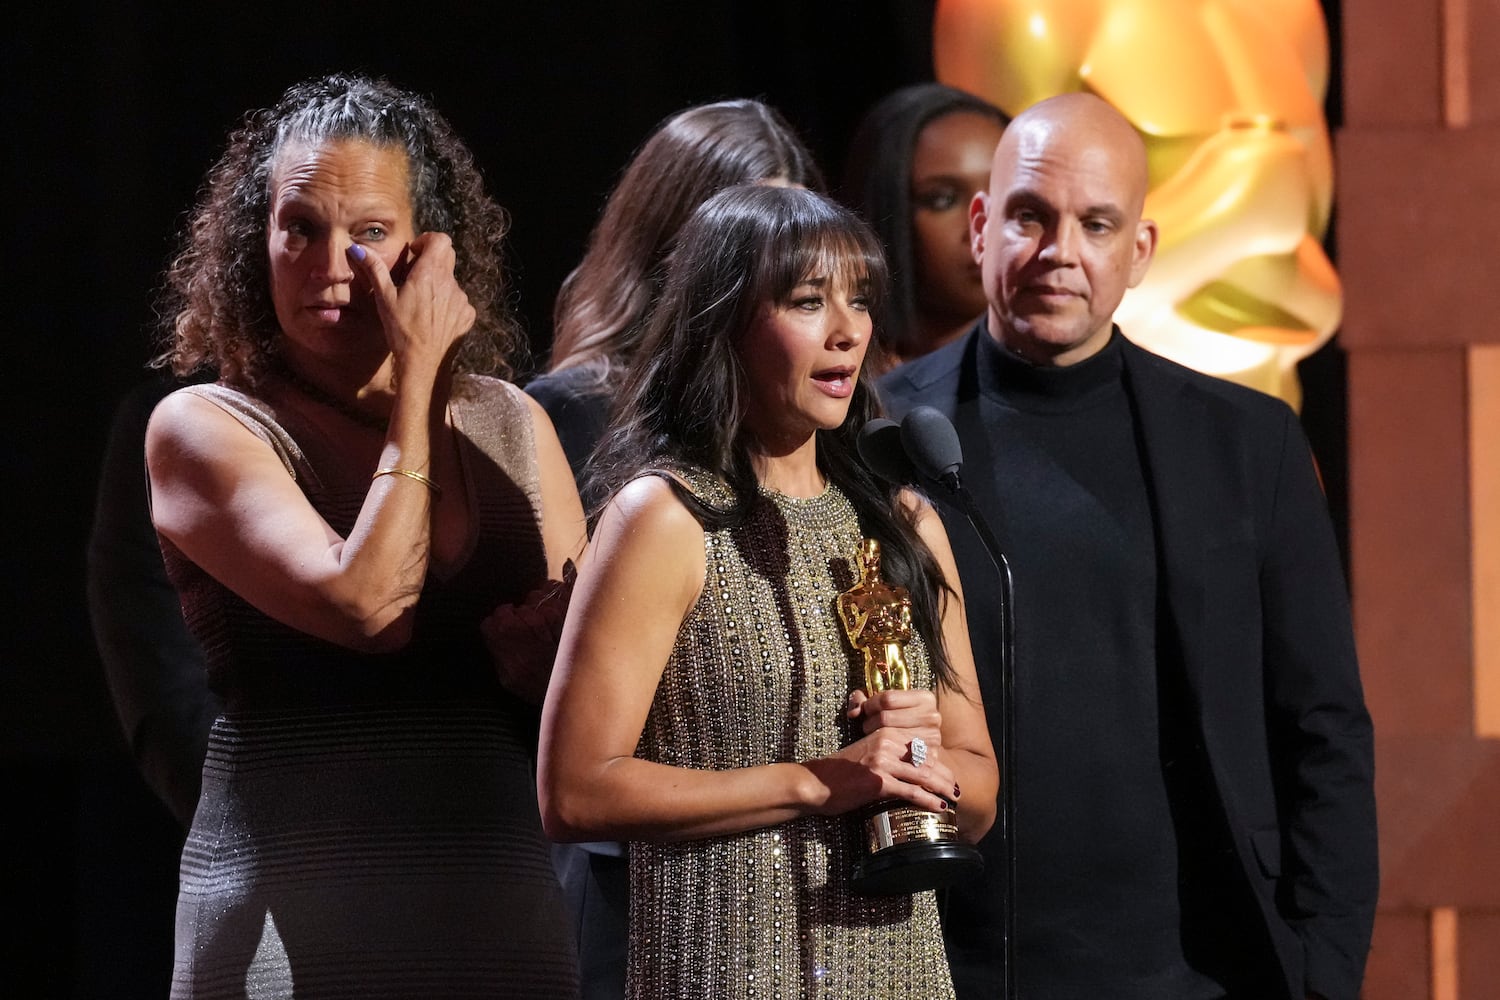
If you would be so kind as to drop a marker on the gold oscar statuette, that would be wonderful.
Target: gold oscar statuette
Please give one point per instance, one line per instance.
(906, 849)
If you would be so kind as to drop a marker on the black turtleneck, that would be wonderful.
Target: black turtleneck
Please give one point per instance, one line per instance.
(1115, 816)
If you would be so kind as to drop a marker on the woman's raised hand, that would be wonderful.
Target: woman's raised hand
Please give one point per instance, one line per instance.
(428, 312)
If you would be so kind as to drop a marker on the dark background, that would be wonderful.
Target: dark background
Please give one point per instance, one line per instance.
(112, 113)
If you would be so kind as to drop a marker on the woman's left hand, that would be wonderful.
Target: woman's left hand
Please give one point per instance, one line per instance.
(522, 638)
(916, 715)
(426, 315)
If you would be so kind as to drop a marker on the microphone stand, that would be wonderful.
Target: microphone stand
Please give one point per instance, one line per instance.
(1007, 750)
(932, 451)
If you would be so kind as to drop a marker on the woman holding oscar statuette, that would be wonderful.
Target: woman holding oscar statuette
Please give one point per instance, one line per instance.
(701, 707)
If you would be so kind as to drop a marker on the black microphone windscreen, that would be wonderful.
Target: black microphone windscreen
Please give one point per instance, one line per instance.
(880, 446)
(931, 442)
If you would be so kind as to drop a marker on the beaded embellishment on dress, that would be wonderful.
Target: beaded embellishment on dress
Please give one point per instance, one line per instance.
(759, 674)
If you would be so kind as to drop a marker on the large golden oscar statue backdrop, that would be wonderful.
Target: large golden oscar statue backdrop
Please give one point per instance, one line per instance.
(1228, 95)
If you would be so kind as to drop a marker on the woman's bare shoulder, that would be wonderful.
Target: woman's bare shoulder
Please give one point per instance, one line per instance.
(649, 504)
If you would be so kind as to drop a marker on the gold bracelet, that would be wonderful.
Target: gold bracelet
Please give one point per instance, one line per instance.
(437, 490)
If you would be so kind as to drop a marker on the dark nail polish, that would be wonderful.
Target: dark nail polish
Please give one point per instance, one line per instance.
(956, 792)
(942, 805)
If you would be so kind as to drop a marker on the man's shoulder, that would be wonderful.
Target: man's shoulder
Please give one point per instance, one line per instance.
(1154, 373)
(927, 379)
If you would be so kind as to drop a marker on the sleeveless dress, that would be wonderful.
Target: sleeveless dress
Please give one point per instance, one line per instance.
(759, 674)
(368, 826)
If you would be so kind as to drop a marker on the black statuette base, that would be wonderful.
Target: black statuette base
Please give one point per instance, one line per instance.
(915, 867)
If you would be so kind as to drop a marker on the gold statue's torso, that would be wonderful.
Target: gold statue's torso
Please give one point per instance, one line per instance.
(877, 619)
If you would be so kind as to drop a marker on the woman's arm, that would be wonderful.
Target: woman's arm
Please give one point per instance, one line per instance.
(951, 721)
(221, 495)
(642, 575)
(522, 638)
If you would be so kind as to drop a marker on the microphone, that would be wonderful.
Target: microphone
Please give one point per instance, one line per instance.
(932, 445)
(925, 445)
(879, 445)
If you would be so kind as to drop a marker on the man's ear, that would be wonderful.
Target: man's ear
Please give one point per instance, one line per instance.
(979, 215)
(1143, 251)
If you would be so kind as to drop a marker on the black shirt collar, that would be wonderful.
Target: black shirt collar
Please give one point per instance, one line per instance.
(1009, 377)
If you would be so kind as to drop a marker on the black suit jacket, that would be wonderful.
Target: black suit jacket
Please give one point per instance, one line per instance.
(1257, 598)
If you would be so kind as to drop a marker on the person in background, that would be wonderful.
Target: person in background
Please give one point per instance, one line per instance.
(1195, 808)
(599, 323)
(917, 159)
(600, 314)
(157, 677)
(706, 701)
(349, 513)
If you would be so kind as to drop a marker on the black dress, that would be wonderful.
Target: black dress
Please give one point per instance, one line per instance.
(595, 877)
(579, 408)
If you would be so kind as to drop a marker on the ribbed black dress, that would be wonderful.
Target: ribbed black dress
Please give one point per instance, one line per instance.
(368, 826)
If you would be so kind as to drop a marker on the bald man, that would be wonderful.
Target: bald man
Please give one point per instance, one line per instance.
(1195, 812)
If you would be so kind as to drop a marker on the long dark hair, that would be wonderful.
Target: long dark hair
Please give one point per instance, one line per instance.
(216, 305)
(877, 184)
(682, 403)
(599, 317)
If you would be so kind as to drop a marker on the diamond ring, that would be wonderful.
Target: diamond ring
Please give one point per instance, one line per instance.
(918, 751)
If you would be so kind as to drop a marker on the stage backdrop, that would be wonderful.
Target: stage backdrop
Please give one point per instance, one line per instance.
(113, 112)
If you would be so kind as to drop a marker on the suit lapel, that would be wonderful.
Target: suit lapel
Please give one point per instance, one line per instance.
(981, 469)
(1171, 423)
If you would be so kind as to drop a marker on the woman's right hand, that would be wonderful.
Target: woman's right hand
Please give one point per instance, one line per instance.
(879, 765)
(426, 315)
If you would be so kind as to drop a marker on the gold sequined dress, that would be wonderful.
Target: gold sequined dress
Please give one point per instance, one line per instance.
(758, 675)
